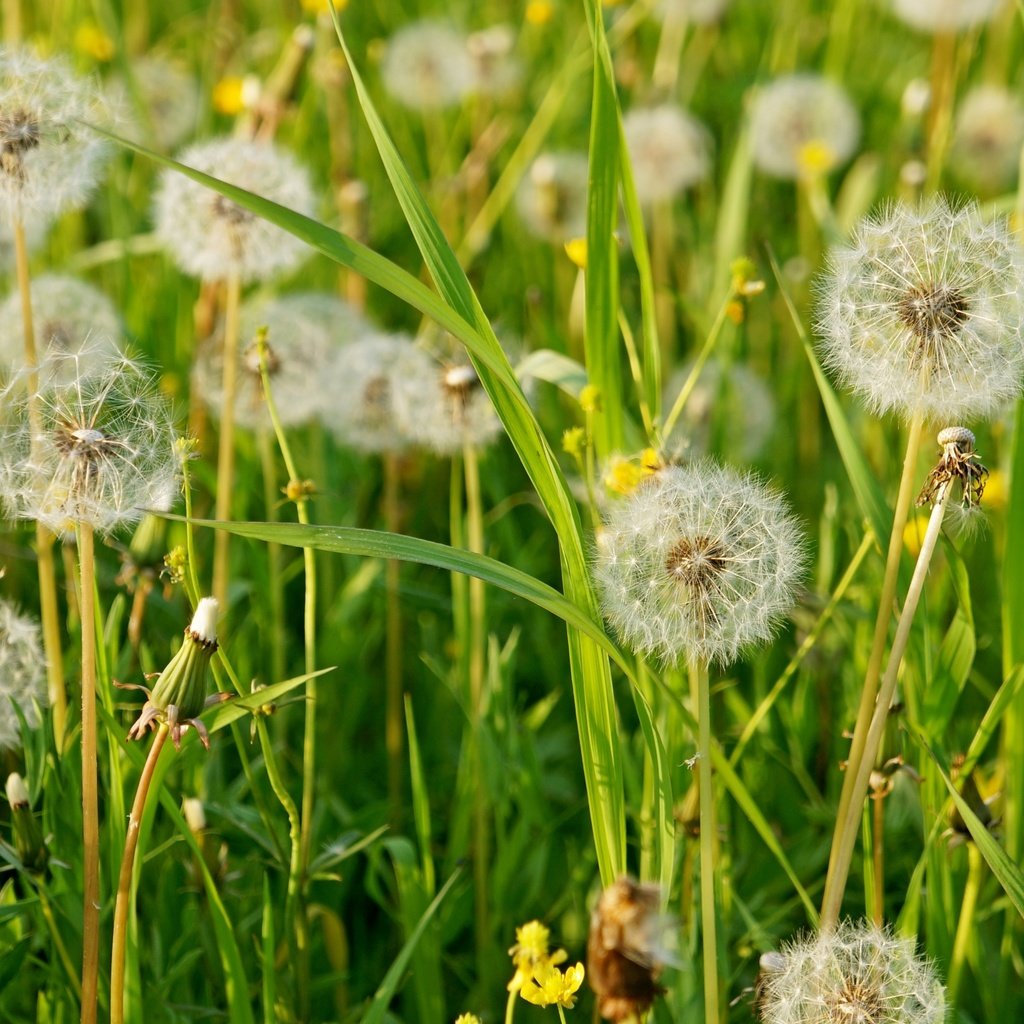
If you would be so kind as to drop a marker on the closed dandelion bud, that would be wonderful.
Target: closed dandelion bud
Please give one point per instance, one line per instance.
(922, 311)
(944, 15)
(166, 97)
(179, 696)
(669, 149)
(698, 563)
(802, 124)
(70, 317)
(213, 238)
(987, 138)
(427, 66)
(857, 974)
(28, 837)
(50, 159)
(22, 675)
(552, 197)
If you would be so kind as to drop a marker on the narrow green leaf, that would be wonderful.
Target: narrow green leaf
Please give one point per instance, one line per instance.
(555, 368)
(221, 715)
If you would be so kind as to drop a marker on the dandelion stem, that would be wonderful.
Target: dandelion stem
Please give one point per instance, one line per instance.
(965, 926)
(701, 690)
(878, 858)
(394, 736)
(123, 901)
(276, 585)
(860, 774)
(510, 1006)
(226, 446)
(831, 899)
(90, 797)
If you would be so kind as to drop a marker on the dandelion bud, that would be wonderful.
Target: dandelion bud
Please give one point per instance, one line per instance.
(179, 696)
(22, 675)
(427, 66)
(669, 149)
(552, 197)
(28, 837)
(699, 562)
(922, 312)
(944, 15)
(859, 973)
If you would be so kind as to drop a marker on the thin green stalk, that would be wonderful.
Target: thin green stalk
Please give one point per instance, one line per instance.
(870, 689)
(58, 941)
(510, 1006)
(394, 735)
(123, 902)
(701, 690)
(940, 112)
(878, 859)
(846, 828)
(276, 584)
(965, 926)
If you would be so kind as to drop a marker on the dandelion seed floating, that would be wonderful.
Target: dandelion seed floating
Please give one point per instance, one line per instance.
(427, 66)
(922, 312)
(22, 674)
(669, 149)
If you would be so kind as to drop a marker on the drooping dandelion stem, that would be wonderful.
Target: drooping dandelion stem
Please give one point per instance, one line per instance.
(226, 445)
(123, 901)
(870, 689)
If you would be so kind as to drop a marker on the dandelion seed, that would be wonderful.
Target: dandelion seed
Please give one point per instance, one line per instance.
(170, 100)
(22, 674)
(211, 237)
(427, 66)
(552, 198)
(669, 150)
(987, 138)
(699, 563)
(858, 974)
(945, 15)
(923, 311)
(802, 123)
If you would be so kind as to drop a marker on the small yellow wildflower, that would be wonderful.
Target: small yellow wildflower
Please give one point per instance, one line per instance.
(539, 12)
(995, 489)
(227, 96)
(467, 1018)
(736, 311)
(815, 157)
(651, 461)
(92, 41)
(745, 279)
(590, 398)
(530, 954)
(576, 250)
(573, 440)
(623, 476)
(913, 533)
(554, 987)
(322, 6)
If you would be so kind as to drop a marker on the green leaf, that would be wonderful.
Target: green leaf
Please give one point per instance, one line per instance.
(555, 368)
(221, 715)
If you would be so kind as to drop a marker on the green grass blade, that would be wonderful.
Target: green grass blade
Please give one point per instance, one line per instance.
(269, 946)
(420, 800)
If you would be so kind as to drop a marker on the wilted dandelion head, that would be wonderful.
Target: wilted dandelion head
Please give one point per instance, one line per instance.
(301, 332)
(700, 12)
(360, 412)
(670, 151)
(50, 159)
(165, 97)
(802, 125)
(496, 69)
(211, 237)
(552, 197)
(858, 974)
(987, 138)
(69, 316)
(22, 674)
(923, 310)
(698, 563)
(103, 452)
(944, 15)
(427, 66)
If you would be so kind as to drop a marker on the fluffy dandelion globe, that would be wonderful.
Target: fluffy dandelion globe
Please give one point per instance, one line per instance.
(945, 15)
(922, 311)
(301, 329)
(103, 451)
(552, 197)
(22, 674)
(670, 151)
(858, 974)
(69, 316)
(211, 237)
(360, 412)
(698, 563)
(165, 98)
(802, 124)
(50, 159)
(496, 70)
(427, 66)
(700, 12)
(987, 138)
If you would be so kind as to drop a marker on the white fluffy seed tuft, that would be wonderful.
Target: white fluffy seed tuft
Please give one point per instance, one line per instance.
(428, 66)
(669, 149)
(945, 15)
(22, 675)
(552, 197)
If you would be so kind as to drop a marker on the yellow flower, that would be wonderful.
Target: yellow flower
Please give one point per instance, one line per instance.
(590, 398)
(554, 987)
(322, 7)
(996, 493)
(576, 250)
(573, 441)
(913, 533)
(623, 476)
(815, 157)
(464, 1018)
(92, 41)
(227, 96)
(530, 954)
(539, 12)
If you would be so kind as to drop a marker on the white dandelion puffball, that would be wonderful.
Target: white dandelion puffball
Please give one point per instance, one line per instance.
(302, 329)
(69, 317)
(22, 674)
(441, 404)
(987, 138)
(360, 411)
(945, 15)
(427, 66)
(802, 124)
(103, 453)
(169, 98)
(732, 399)
(211, 237)
(669, 150)
(698, 563)
(922, 311)
(858, 974)
(700, 12)
(496, 70)
(552, 197)
(50, 159)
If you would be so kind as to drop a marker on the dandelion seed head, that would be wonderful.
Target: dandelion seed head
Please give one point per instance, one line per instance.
(170, 100)
(552, 197)
(495, 68)
(858, 974)
(427, 66)
(987, 138)
(923, 310)
(670, 151)
(22, 674)
(944, 15)
(699, 562)
(802, 123)
(211, 237)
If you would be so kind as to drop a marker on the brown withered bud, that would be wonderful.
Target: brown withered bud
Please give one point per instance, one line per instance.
(625, 951)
